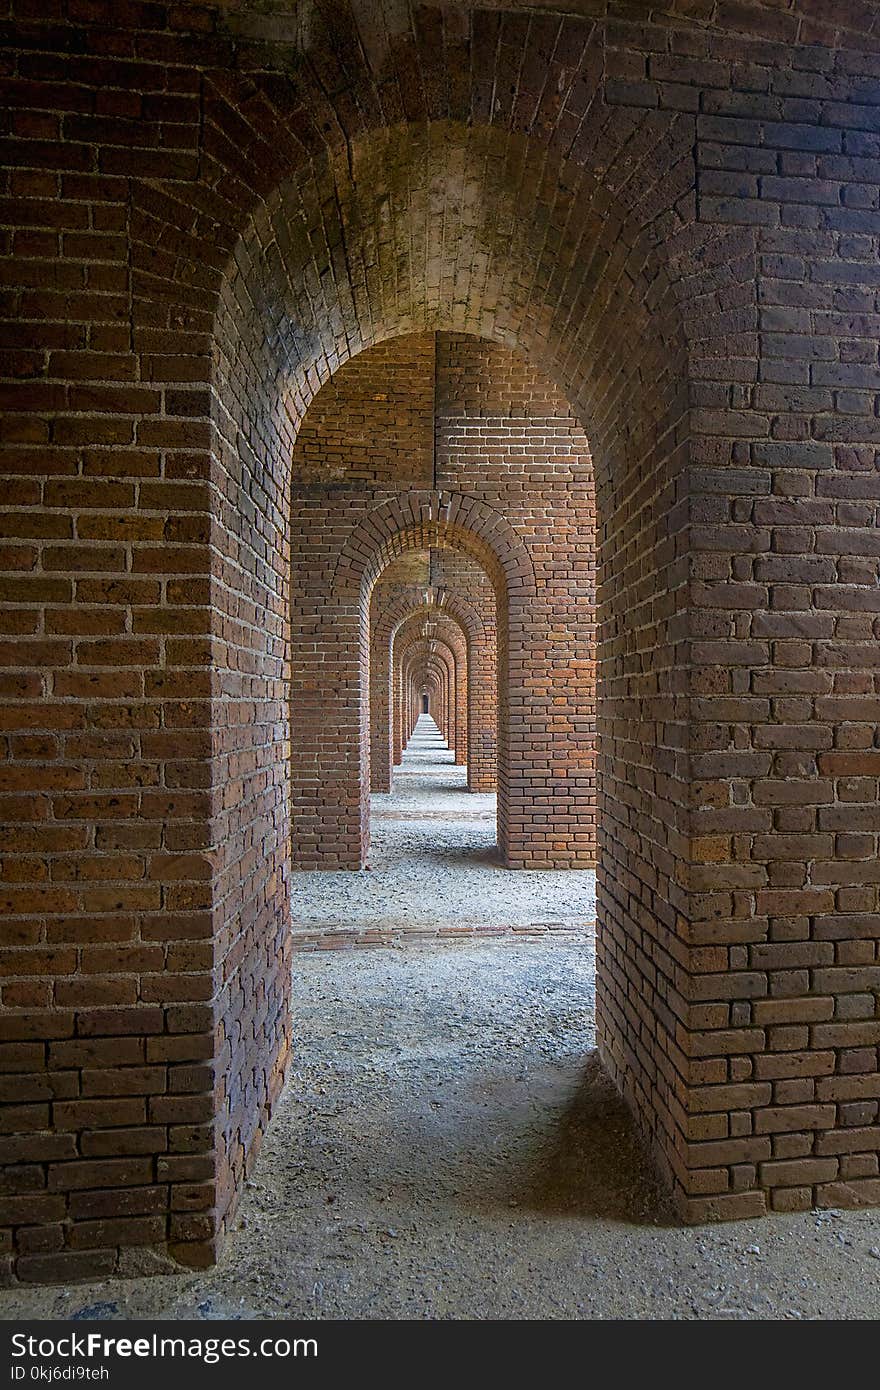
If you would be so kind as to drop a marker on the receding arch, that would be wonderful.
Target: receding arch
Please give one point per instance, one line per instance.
(430, 662)
(597, 305)
(481, 700)
(455, 605)
(419, 520)
(386, 699)
(552, 297)
(609, 293)
(389, 638)
(413, 521)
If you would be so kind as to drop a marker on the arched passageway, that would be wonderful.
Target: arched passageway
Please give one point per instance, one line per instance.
(588, 197)
(538, 666)
(457, 590)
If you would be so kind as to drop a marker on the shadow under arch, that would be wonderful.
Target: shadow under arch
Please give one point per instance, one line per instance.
(593, 1162)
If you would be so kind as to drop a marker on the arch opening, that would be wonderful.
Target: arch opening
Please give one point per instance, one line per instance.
(282, 348)
(316, 202)
(366, 639)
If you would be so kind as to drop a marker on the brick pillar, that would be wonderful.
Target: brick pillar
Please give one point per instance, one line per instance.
(381, 705)
(482, 716)
(398, 716)
(329, 728)
(461, 707)
(447, 683)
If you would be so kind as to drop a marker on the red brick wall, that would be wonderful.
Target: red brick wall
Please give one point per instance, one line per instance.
(675, 219)
(371, 425)
(251, 968)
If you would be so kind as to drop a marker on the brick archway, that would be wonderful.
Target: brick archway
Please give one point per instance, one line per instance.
(615, 305)
(393, 633)
(331, 804)
(448, 641)
(606, 227)
(420, 520)
(430, 665)
(477, 716)
(386, 616)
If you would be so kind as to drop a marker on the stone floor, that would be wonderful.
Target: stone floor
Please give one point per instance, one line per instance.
(448, 1145)
(433, 869)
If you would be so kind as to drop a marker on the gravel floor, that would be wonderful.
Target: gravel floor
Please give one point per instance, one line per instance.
(448, 1147)
(433, 862)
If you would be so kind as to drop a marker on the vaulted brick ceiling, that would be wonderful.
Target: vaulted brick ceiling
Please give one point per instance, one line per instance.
(440, 226)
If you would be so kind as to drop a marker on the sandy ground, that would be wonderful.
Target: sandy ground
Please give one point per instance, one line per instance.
(449, 1147)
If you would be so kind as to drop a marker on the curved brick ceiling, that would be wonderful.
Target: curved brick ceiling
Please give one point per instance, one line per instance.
(446, 227)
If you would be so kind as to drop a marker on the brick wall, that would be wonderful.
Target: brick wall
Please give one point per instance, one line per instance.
(675, 219)
(371, 425)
